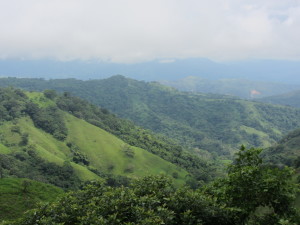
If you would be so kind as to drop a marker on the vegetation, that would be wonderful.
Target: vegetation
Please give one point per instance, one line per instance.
(236, 87)
(286, 151)
(290, 99)
(43, 142)
(19, 195)
(153, 200)
(216, 123)
(136, 136)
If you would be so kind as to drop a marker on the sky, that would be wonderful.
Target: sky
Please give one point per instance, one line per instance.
(131, 31)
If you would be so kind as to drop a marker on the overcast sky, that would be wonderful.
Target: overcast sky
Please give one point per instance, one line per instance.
(129, 31)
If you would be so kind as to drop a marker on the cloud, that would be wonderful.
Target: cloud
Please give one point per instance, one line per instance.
(141, 30)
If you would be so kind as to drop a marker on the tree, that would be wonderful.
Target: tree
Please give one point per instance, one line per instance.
(51, 94)
(251, 184)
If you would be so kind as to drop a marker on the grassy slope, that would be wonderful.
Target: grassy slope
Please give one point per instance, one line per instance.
(14, 201)
(105, 152)
(101, 148)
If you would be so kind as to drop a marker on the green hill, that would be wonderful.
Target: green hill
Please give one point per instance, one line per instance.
(217, 123)
(39, 141)
(18, 195)
(286, 151)
(290, 99)
(42, 139)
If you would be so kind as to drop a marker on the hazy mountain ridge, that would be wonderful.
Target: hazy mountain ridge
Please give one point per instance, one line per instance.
(242, 88)
(289, 99)
(282, 71)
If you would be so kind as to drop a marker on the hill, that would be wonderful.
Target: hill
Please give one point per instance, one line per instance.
(287, 151)
(217, 123)
(242, 88)
(289, 99)
(18, 195)
(64, 140)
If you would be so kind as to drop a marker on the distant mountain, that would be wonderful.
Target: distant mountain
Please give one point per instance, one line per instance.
(216, 123)
(165, 69)
(242, 88)
(289, 99)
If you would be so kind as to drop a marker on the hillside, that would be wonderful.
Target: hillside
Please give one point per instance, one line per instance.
(18, 195)
(64, 140)
(287, 151)
(289, 99)
(216, 123)
(242, 88)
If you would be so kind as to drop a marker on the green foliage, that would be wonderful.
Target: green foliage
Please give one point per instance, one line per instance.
(129, 152)
(50, 119)
(24, 139)
(286, 151)
(251, 184)
(136, 136)
(212, 122)
(77, 155)
(51, 94)
(19, 195)
(28, 164)
(150, 200)
(154, 200)
(26, 185)
(12, 103)
(91, 152)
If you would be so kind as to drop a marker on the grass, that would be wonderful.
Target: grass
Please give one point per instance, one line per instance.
(4, 149)
(14, 200)
(105, 152)
(39, 99)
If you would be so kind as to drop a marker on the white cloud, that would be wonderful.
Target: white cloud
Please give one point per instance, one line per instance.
(140, 30)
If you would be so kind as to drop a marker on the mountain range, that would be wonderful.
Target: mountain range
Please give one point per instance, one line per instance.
(243, 88)
(280, 71)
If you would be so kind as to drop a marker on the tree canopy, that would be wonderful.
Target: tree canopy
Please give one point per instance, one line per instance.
(236, 199)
